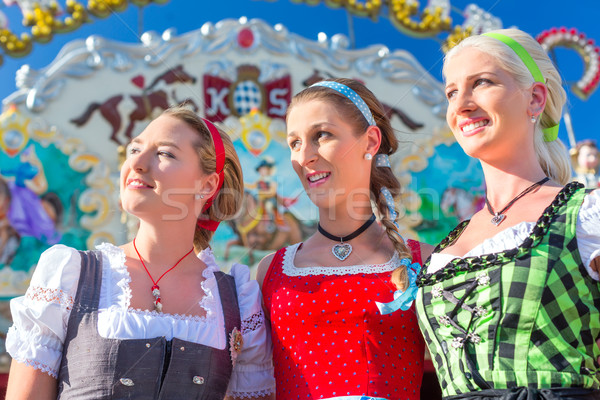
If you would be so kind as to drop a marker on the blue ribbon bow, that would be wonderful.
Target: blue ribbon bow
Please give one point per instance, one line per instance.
(403, 299)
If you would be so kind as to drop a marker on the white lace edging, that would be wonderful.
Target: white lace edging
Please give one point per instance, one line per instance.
(208, 301)
(178, 317)
(48, 295)
(117, 276)
(253, 322)
(39, 366)
(290, 269)
(251, 395)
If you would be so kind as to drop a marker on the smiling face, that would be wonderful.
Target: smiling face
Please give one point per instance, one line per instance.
(162, 173)
(328, 154)
(487, 111)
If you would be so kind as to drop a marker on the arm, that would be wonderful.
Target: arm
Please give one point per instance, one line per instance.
(261, 272)
(588, 236)
(252, 376)
(40, 318)
(25, 382)
(426, 250)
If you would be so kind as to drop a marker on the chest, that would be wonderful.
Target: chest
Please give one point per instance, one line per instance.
(180, 292)
(335, 299)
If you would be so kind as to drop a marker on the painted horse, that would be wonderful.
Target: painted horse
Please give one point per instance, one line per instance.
(145, 103)
(318, 76)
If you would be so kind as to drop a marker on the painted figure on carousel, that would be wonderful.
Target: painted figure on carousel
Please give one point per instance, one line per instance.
(9, 237)
(153, 318)
(266, 189)
(586, 160)
(340, 302)
(27, 181)
(510, 302)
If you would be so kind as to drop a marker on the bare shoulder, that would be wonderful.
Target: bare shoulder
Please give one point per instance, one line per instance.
(263, 268)
(426, 250)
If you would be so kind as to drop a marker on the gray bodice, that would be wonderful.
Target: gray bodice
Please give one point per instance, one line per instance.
(97, 368)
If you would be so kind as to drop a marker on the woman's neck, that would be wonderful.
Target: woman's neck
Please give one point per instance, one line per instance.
(342, 220)
(164, 244)
(505, 182)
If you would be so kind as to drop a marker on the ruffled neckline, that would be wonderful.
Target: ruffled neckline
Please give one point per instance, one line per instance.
(478, 262)
(116, 281)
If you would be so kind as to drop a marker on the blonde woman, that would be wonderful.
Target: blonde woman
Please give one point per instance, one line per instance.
(510, 300)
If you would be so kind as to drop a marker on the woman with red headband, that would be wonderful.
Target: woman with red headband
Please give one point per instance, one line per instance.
(510, 301)
(154, 318)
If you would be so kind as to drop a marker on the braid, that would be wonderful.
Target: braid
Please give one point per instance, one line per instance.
(399, 275)
(380, 176)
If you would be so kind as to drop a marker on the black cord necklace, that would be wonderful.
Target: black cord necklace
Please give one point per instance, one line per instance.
(342, 250)
(499, 216)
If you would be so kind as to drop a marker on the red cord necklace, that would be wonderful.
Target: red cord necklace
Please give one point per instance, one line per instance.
(155, 289)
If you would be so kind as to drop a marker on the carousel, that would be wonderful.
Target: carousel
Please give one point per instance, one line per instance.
(64, 131)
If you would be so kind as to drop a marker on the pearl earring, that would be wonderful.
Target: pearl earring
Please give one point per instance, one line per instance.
(198, 196)
(533, 119)
(368, 156)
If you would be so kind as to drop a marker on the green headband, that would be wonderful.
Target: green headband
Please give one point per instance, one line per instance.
(550, 133)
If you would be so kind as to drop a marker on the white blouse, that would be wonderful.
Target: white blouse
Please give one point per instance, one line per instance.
(41, 316)
(587, 233)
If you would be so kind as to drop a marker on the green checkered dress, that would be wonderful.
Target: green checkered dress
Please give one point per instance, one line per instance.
(527, 316)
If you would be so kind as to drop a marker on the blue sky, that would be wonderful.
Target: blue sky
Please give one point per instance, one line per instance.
(186, 15)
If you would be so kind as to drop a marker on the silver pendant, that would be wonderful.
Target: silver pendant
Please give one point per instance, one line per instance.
(341, 251)
(498, 218)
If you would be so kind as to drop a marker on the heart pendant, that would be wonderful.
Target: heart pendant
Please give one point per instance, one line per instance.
(497, 219)
(341, 251)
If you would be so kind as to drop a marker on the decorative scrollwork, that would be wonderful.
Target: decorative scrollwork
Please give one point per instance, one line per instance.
(46, 18)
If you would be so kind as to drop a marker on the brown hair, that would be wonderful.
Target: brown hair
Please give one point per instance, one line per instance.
(228, 200)
(380, 176)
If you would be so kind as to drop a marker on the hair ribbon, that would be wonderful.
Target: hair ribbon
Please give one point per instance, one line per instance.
(220, 164)
(352, 96)
(403, 299)
(550, 133)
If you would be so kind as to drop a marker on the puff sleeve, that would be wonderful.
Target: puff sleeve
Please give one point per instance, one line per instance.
(40, 317)
(253, 369)
(588, 231)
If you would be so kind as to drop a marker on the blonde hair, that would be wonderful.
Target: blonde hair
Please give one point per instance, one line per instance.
(389, 144)
(228, 200)
(552, 156)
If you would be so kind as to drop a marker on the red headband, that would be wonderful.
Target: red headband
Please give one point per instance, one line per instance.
(220, 160)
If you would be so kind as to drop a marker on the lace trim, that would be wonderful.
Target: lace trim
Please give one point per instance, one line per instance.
(40, 366)
(208, 302)
(475, 263)
(119, 275)
(179, 317)
(290, 269)
(251, 395)
(55, 296)
(121, 278)
(253, 322)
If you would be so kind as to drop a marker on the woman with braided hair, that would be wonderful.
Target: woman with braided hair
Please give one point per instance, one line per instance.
(509, 302)
(340, 302)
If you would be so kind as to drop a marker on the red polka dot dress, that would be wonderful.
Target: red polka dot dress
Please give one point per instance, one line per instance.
(329, 338)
